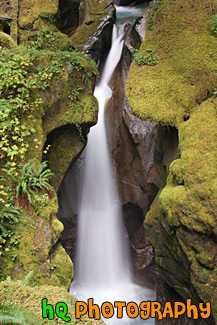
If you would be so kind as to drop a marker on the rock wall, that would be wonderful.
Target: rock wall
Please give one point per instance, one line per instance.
(62, 110)
(178, 91)
(141, 152)
(58, 110)
(61, 24)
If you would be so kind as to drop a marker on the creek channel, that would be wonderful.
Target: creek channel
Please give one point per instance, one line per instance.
(102, 264)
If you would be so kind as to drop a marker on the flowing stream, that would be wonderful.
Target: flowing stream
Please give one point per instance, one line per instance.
(102, 261)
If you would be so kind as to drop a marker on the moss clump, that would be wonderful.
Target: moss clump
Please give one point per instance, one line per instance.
(6, 41)
(30, 299)
(62, 83)
(65, 144)
(187, 212)
(30, 10)
(38, 249)
(187, 63)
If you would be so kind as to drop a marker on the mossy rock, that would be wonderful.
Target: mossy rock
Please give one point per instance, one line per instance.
(179, 91)
(45, 36)
(61, 86)
(65, 143)
(187, 212)
(14, 292)
(30, 10)
(187, 63)
(96, 15)
(39, 249)
(6, 41)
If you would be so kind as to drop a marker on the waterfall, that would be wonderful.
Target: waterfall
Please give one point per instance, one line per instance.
(102, 262)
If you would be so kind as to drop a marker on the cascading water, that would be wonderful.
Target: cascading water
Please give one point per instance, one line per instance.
(102, 262)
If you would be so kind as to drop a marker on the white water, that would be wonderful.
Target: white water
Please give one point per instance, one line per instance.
(102, 262)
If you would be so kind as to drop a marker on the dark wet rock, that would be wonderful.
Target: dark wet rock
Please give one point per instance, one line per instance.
(129, 2)
(69, 15)
(95, 25)
(99, 45)
(68, 197)
(132, 142)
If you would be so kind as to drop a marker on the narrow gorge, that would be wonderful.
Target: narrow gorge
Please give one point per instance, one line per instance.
(159, 113)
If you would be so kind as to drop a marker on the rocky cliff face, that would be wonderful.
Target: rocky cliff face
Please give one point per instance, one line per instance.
(51, 93)
(174, 97)
(178, 91)
(141, 152)
(81, 24)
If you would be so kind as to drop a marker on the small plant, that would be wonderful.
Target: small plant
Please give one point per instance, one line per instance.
(145, 57)
(53, 267)
(13, 314)
(214, 25)
(8, 217)
(27, 278)
(154, 5)
(31, 181)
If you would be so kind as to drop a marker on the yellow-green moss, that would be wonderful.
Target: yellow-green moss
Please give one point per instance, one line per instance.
(182, 221)
(186, 71)
(30, 10)
(94, 16)
(38, 249)
(186, 207)
(30, 299)
(65, 145)
(61, 96)
(6, 41)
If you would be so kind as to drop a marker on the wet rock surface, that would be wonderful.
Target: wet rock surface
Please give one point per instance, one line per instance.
(94, 31)
(129, 2)
(69, 15)
(68, 197)
(132, 144)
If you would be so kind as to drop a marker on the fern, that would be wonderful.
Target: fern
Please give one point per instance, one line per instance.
(8, 217)
(31, 181)
(13, 314)
(27, 278)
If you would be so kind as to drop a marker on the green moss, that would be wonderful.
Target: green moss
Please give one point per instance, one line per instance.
(66, 144)
(55, 77)
(168, 196)
(186, 70)
(30, 10)
(51, 79)
(30, 299)
(96, 14)
(6, 41)
(188, 212)
(38, 249)
(182, 221)
(60, 275)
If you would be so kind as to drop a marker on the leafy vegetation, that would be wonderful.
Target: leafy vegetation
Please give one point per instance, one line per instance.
(15, 314)
(32, 180)
(214, 25)
(154, 5)
(145, 56)
(32, 83)
(14, 292)
(8, 218)
(19, 76)
(49, 39)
